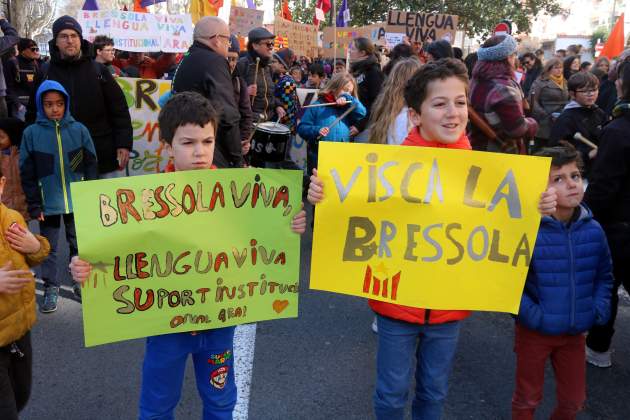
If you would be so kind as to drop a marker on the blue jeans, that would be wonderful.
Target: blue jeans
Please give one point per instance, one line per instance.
(434, 347)
(163, 373)
(49, 228)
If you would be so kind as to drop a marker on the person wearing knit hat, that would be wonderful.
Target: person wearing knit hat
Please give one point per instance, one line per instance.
(96, 100)
(501, 51)
(286, 57)
(439, 49)
(496, 99)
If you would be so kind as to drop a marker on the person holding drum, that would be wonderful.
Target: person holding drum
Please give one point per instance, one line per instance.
(331, 116)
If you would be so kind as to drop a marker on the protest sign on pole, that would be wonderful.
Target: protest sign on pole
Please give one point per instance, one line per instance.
(138, 32)
(187, 251)
(426, 227)
(243, 20)
(301, 38)
(147, 155)
(423, 27)
(344, 36)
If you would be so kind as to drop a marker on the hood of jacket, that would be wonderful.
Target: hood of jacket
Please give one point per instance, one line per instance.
(46, 86)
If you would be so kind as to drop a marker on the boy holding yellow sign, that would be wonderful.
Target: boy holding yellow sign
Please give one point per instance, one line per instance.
(188, 124)
(437, 98)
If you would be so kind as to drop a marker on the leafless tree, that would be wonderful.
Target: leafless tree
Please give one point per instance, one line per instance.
(31, 17)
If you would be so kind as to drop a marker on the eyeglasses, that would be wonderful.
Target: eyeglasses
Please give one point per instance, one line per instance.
(269, 44)
(587, 92)
(34, 49)
(68, 37)
(224, 37)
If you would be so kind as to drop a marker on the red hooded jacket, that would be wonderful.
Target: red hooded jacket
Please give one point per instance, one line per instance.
(407, 313)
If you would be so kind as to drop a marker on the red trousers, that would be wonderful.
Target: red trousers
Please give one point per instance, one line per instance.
(567, 359)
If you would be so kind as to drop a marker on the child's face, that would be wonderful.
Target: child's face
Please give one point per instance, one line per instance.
(568, 183)
(314, 79)
(297, 75)
(54, 105)
(586, 96)
(347, 88)
(5, 141)
(192, 147)
(444, 111)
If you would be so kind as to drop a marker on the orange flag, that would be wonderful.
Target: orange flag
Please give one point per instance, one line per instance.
(137, 7)
(286, 13)
(616, 41)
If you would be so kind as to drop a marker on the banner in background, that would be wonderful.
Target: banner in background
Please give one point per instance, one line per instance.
(375, 32)
(243, 20)
(426, 227)
(187, 251)
(301, 38)
(423, 27)
(138, 32)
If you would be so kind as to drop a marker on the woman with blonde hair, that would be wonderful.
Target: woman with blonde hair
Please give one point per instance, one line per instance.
(334, 99)
(389, 122)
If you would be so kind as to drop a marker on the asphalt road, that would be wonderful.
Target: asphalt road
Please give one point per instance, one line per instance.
(320, 365)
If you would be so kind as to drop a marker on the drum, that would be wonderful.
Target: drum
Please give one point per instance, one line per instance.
(270, 142)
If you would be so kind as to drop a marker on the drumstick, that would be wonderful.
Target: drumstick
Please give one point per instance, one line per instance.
(316, 105)
(256, 77)
(339, 118)
(580, 137)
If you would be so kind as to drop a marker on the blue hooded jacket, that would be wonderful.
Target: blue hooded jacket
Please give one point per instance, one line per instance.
(569, 283)
(316, 118)
(52, 155)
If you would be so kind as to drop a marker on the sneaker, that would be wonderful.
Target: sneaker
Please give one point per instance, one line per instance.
(374, 326)
(76, 289)
(51, 294)
(599, 359)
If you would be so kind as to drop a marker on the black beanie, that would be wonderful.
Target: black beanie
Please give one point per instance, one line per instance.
(440, 49)
(66, 22)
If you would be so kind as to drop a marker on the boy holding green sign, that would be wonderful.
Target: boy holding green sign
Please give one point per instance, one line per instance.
(188, 125)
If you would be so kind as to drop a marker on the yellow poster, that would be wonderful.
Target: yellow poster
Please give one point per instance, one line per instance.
(426, 227)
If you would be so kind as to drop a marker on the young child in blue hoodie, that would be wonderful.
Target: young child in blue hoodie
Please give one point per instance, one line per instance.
(55, 151)
(567, 291)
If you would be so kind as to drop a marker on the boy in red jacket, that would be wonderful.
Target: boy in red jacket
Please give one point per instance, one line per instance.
(438, 107)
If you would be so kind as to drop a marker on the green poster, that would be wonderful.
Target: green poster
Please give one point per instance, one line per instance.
(187, 251)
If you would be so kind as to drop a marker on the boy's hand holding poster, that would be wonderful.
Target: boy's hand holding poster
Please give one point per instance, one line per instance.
(187, 251)
(426, 227)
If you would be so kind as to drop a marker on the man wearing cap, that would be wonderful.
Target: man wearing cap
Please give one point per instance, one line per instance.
(254, 68)
(19, 74)
(96, 100)
(205, 70)
(7, 42)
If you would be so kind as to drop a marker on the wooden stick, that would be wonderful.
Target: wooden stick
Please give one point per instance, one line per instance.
(580, 137)
(339, 118)
(256, 77)
(318, 105)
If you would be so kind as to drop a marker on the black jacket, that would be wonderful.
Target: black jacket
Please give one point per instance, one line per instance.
(608, 192)
(607, 95)
(246, 124)
(265, 103)
(19, 74)
(530, 78)
(577, 119)
(96, 101)
(369, 80)
(204, 71)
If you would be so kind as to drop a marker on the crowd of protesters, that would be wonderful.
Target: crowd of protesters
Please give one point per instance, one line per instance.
(65, 119)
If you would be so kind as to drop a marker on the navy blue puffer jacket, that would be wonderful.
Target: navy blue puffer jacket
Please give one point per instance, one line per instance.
(568, 287)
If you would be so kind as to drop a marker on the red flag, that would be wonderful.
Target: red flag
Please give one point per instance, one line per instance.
(616, 41)
(286, 13)
(322, 7)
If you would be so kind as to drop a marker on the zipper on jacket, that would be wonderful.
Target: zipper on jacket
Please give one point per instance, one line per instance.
(427, 316)
(572, 277)
(62, 168)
